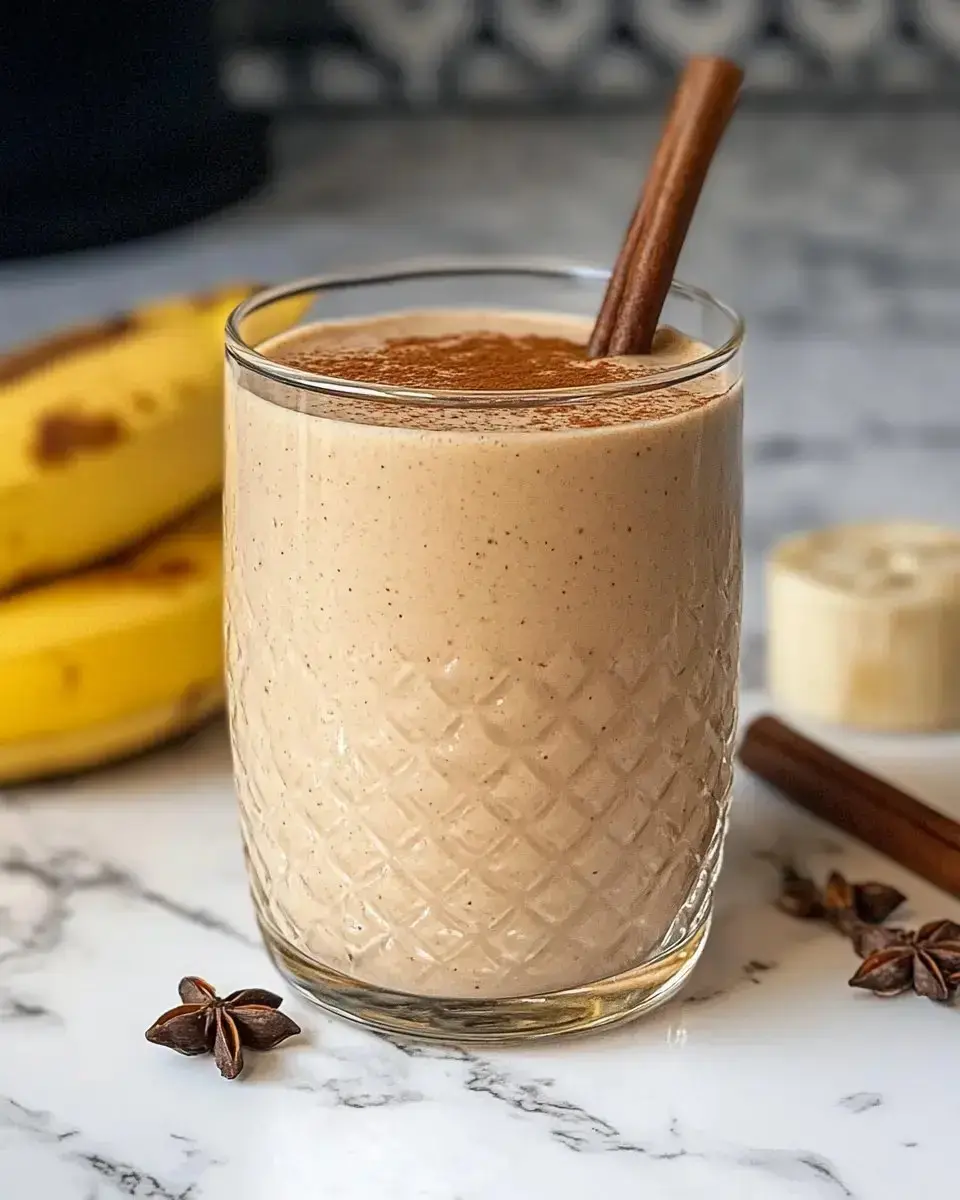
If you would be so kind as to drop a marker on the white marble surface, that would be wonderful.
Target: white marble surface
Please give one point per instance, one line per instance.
(768, 1078)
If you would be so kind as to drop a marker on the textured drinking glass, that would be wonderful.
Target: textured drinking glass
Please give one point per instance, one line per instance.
(482, 665)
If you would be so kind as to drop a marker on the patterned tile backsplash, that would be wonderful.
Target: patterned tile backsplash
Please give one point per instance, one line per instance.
(282, 54)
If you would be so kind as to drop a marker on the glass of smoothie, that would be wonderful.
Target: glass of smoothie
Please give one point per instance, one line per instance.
(483, 611)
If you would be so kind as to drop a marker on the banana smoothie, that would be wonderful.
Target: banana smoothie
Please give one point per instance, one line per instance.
(482, 655)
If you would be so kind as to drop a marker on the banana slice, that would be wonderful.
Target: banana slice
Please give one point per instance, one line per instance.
(864, 626)
(111, 660)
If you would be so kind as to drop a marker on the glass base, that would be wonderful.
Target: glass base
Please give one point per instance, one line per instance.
(550, 1014)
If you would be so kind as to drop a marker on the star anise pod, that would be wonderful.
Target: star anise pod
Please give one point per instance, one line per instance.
(874, 902)
(927, 961)
(870, 938)
(204, 1022)
(799, 896)
(848, 906)
(869, 902)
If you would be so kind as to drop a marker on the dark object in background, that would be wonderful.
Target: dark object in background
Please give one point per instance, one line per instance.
(113, 125)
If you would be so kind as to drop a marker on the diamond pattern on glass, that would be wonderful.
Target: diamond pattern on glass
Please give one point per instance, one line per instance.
(492, 828)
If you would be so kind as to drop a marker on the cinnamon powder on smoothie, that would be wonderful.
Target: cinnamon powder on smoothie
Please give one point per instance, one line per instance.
(469, 361)
(475, 361)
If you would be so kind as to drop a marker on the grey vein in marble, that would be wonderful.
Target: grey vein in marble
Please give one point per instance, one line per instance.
(342, 1079)
(65, 873)
(584, 1132)
(124, 1178)
(14, 1008)
(350, 1093)
(569, 1124)
(861, 1102)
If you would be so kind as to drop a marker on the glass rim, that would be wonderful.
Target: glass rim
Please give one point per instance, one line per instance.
(248, 356)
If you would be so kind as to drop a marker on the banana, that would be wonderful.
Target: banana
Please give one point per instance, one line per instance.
(206, 311)
(864, 626)
(111, 660)
(109, 431)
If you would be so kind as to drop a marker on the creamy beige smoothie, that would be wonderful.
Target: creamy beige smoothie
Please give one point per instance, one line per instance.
(483, 661)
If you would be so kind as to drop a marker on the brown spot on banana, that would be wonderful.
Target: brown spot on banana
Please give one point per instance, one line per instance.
(190, 392)
(159, 572)
(61, 436)
(144, 402)
(70, 677)
(199, 700)
(169, 568)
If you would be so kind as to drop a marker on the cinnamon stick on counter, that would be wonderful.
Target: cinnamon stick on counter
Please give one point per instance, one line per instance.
(702, 106)
(878, 813)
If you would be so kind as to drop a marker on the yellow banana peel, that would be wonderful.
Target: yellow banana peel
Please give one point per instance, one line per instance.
(109, 432)
(110, 660)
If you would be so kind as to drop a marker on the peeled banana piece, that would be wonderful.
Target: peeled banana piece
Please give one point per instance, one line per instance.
(108, 661)
(864, 626)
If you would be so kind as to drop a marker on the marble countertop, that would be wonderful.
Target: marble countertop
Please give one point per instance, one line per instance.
(767, 1078)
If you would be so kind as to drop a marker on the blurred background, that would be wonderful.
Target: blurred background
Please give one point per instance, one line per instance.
(155, 148)
(360, 54)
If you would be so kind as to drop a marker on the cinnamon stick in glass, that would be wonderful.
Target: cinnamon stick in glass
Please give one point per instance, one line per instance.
(879, 813)
(702, 106)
